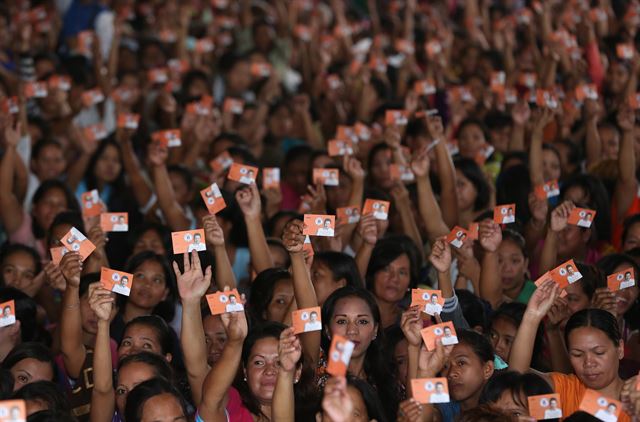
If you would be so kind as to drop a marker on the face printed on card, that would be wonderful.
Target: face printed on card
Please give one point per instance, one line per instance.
(430, 390)
(167, 138)
(348, 215)
(402, 173)
(504, 214)
(319, 225)
(116, 281)
(8, 315)
(114, 222)
(377, 207)
(445, 332)
(222, 162)
(271, 178)
(188, 240)
(223, 302)
(548, 190)
(92, 206)
(75, 241)
(213, 199)
(603, 408)
(566, 273)
(326, 177)
(430, 301)
(457, 237)
(243, 174)
(340, 147)
(128, 120)
(339, 356)
(582, 217)
(545, 406)
(306, 320)
(13, 411)
(621, 280)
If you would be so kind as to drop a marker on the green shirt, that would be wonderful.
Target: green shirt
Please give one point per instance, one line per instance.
(527, 290)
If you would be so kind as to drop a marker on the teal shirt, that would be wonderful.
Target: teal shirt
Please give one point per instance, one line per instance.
(527, 290)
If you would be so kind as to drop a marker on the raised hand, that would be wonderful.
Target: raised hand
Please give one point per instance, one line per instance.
(157, 154)
(411, 325)
(392, 136)
(292, 236)
(542, 300)
(440, 256)
(489, 235)
(212, 231)
(71, 268)
(368, 229)
(538, 207)
(435, 127)
(605, 299)
(317, 199)
(101, 301)
(420, 163)
(544, 117)
(12, 134)
(289, 350)
(560, 216)
(235, 325)
(192, 283)
(336, 402)
(54, 277)
(353, 167)
(430, 363)
(248, 199)
(410, 411)
(626, 118)
(559, 312)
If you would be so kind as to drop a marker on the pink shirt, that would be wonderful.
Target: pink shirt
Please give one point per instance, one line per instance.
(24, 235)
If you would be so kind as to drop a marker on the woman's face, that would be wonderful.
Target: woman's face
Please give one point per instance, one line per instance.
(470, 141)
(610, 140)
(128, 377)
(502, 333)
(466, 192)
(625, 298)
(50, 204)
(359, 413)
(352, 318)
(215, 336)
(149, 241)
(594, 357)
(617, 77)
(577, 299)
(50, 163)
(108, 165)
(19, 270)
(508, 405)
(280, 123)
(296, 175)
(140, 338)
(466, 373)
(513, 265)
(262, 369)
(150, 287)
(571, 240)
(239, 78)
(281, 301)
(30, 370)
(338, 196)
(632, 240)
(390, 283)
(401, 357)
(279, 256)
(551, 168)
(380, 165)
(163, 408)
(323, 282)
(89, 319)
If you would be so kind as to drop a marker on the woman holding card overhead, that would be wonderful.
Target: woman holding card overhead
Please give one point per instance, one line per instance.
(595, 348)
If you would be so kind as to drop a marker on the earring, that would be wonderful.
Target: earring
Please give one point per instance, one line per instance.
(295, 381)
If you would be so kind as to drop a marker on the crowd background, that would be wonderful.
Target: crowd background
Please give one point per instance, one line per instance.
(449, 108)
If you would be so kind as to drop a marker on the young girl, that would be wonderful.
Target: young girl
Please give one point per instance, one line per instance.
(509, 390)
(332, 270)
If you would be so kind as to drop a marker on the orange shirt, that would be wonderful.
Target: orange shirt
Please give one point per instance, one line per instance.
(571, 390)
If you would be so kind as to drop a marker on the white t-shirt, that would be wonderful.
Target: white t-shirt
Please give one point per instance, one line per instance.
(627, 283)
(325, 232)
(117, 288)
(432, 309)
(553, 413)
(447, 341)
(605, 416)
(574, 277)
(237, 307)
(246, 180)
(439, 398)
(508, 219)
(8, 320)
(457, 243)
(199, 247)
(120, 227)
(312, 326)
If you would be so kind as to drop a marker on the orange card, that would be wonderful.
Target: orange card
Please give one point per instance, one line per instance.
(402, 173)
(10, 105)
(261, 70)
(457, 237)
(319, 225)
(498, 79)
(326, 177)
(92, 205)
(307, 247)
(430, 390)
(271, 178)
(405, 47)
(95, 132)
(586, 92)
(60, 82)
(167, 138)
(473, 230)
(35, 90)
(433, 48)
(621, 280)
(634, 101)
(243, 173)
(114, 222)
(188, 240)
(339, 356)
(545, 98)
(348, 215)
(226, 301)
(528, 79)
(340, 147)
(222, 162)
(128, 120)
(306, 320)
(446, 332)
(178, 66)
(566, 273)
(92, 97)
(582, 217)
(431, 301)
(203, 45)
(548, 190)
(57, 253)
(625, 51)
(547, 276)
(203, 107)
(116, 281)
(233, 105)
(504, 214)
(85, 42)
(303, 32)
(347, 133)
(158, 76)
(545, 406)
(75, 241)
(396, 117)
(601, 407)
(13, 411)
(213, 199)
(377, 207)
(363, 131)
(8, 316)
(167, 36)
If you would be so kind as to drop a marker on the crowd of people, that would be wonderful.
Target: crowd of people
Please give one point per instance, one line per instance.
(331, 210)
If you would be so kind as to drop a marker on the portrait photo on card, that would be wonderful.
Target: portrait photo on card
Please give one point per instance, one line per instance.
(319, 225)
(271, 178)
(339, 355)
(377, 207)
(430, 301)
(188, 241)
(75, 241)
(224, 302)
(581, 217)
(545, 406)
(348, 215)
(243, 174)
(603, 408)
(457, 237)
(621, 280)
(114, 222)
(8, 315)
(445, 332)
(326, 177)
(212, 197)
(567, 271)
(430, 390)
(307, 320)
(117, 281)
(504, 214)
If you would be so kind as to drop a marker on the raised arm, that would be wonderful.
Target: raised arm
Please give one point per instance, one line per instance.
(219, 379)
(446, 172)
(103, 400)
(289, 353)
(71, 346)
(593, 143)
(440, 258)
(520, 116)
(140, 187)
(303, 290)
(559, 217)
(215, 238)
(490, 236)
(427, 203)
(403, 204)
(368, 231)
(249, 201)
(192, 286)
(544, 117)
(626, 184)
(11, 211)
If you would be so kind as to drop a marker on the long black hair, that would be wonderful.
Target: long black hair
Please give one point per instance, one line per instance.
(597, 318)
(472, 171)
(379, 367)
(341, 266)
(160, 327)
(518, 385)
(388, 250)
(262, 289)
(43, 189)
(31, 350)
